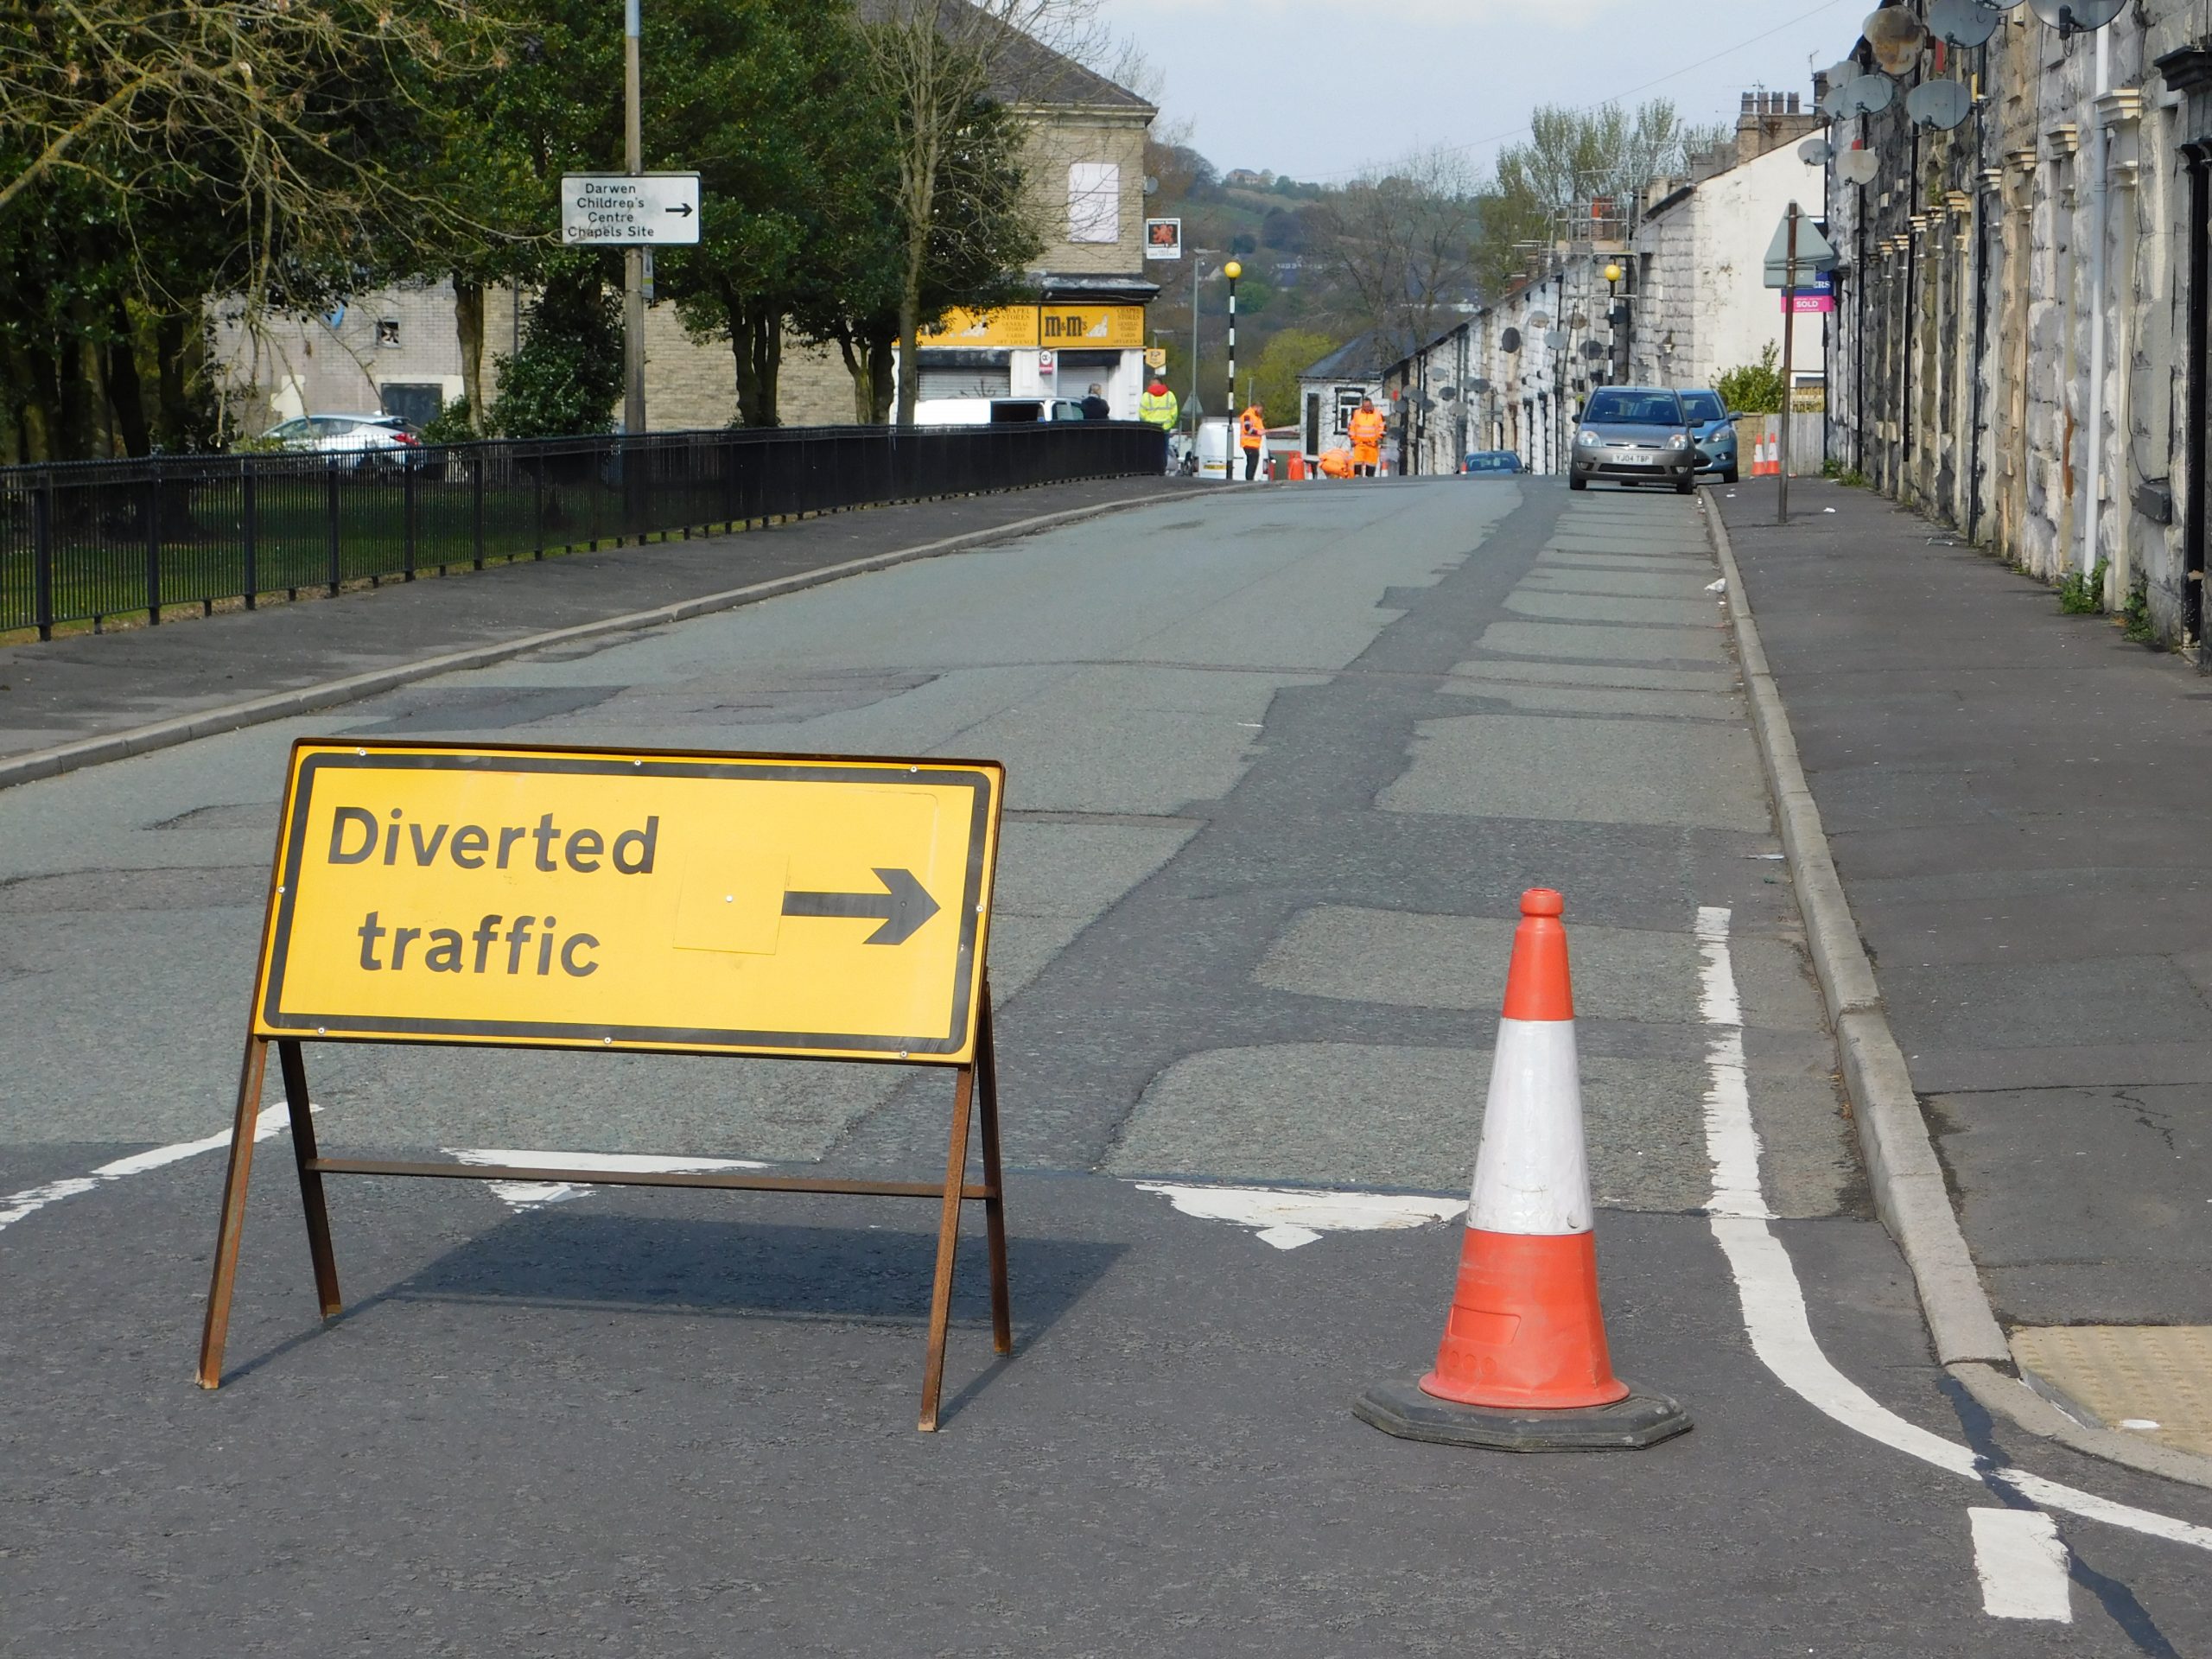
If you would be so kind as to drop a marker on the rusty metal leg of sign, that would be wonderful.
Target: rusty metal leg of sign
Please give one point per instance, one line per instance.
(294, 1065)
(948, 1246)
(232, 1225)
(986, 1089)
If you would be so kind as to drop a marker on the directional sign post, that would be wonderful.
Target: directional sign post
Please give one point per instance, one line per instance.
(628, 901)
(629, 209)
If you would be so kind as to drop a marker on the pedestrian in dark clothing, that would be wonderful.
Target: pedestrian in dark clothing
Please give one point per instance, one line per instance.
(1095, 407)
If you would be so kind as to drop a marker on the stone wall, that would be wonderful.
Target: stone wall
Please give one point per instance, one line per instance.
(2011, 349)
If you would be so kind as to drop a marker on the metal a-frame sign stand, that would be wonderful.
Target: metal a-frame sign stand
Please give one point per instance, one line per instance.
(308, 957)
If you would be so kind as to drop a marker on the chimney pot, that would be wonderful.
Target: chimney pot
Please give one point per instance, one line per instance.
(1748, 102)
(1793, 103)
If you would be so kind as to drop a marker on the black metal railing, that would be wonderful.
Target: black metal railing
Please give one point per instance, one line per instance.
(89, 540)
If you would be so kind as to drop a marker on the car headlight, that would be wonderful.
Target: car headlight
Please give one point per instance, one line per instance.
(1679, 440)
(1586, 436)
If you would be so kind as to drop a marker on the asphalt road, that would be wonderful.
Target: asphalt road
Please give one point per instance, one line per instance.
(1281, 763)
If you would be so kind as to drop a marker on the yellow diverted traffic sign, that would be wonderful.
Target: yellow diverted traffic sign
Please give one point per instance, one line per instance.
(768, 904)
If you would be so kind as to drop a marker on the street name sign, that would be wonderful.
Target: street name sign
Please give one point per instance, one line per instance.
(629, 209)
(647, 901)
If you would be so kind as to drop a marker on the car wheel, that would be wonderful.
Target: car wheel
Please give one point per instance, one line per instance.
(1684, 485)
(1728, 475)
(1578, 483)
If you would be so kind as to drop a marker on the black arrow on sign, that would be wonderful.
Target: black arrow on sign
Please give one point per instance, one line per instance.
(682, 207)
(902, 904)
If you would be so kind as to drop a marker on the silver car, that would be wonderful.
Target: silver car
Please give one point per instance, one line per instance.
(1634, 435)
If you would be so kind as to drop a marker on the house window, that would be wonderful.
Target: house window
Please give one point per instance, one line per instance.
(1094, 201)
(1348, 402)
(388, 331)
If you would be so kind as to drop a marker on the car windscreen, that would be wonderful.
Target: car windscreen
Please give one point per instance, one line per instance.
(1702, 406)
(302, 427)
(1617, 406)
(1489, 463)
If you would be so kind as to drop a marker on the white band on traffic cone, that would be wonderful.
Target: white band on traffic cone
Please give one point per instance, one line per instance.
(1532, 1174)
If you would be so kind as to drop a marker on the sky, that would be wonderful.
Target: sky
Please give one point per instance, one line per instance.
(1323, 89)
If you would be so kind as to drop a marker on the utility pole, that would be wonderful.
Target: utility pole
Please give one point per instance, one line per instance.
(633, 257)
(1789, 334)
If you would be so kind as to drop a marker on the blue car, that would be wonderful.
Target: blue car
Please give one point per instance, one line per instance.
(1712, 429)
(1492, 461)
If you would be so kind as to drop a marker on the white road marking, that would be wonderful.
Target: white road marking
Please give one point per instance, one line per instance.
(520, 1196)
(15, 1205)
(1774, 1305)
(1287, 1217)
(2022, 1564)
(1731, 1141)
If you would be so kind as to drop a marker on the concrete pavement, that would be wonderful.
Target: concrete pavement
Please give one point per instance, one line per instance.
(1281, 763)
(2009, 797)
(81, 686)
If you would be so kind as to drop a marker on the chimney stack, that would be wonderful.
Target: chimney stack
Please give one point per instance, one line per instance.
(1767, 121)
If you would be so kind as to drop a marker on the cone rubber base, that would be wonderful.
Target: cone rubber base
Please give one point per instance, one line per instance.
(1630, 1425)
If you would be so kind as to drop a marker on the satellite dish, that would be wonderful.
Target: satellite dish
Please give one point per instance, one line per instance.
(1897, 36)
(1555, 339)
(1510, 342)
(2077, 17)
(1868, 95)
(1478, 385)
(1447, 393)
(1816, 152)
(1151, 184)
(1540, 320)
(1593, 349)
(1963, 22)
(1577, 320)
(1836, 73)
(1857, 166)
(1940, 104)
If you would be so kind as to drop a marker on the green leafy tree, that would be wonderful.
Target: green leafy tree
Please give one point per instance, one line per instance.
(977, 255)
(1752, 388)
(565, 379)
(777, 114)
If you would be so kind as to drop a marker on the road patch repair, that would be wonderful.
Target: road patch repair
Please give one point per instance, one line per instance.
(705, 915)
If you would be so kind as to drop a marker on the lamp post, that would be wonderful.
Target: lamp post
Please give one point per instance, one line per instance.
(1232, 270)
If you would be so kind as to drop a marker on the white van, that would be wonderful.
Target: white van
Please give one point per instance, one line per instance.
(995, 411)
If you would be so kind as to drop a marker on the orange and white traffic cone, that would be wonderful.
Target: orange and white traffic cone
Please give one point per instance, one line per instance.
(1523, 1365)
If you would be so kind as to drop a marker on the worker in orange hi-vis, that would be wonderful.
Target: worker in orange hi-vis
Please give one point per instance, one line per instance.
(1252, 433)
(1365, 430)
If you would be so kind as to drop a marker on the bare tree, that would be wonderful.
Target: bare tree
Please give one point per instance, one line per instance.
(1398, 245)
(256, 105)
(1573, 158)
(936, 60)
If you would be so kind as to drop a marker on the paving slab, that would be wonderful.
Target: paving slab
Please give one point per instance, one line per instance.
(2017, 807)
